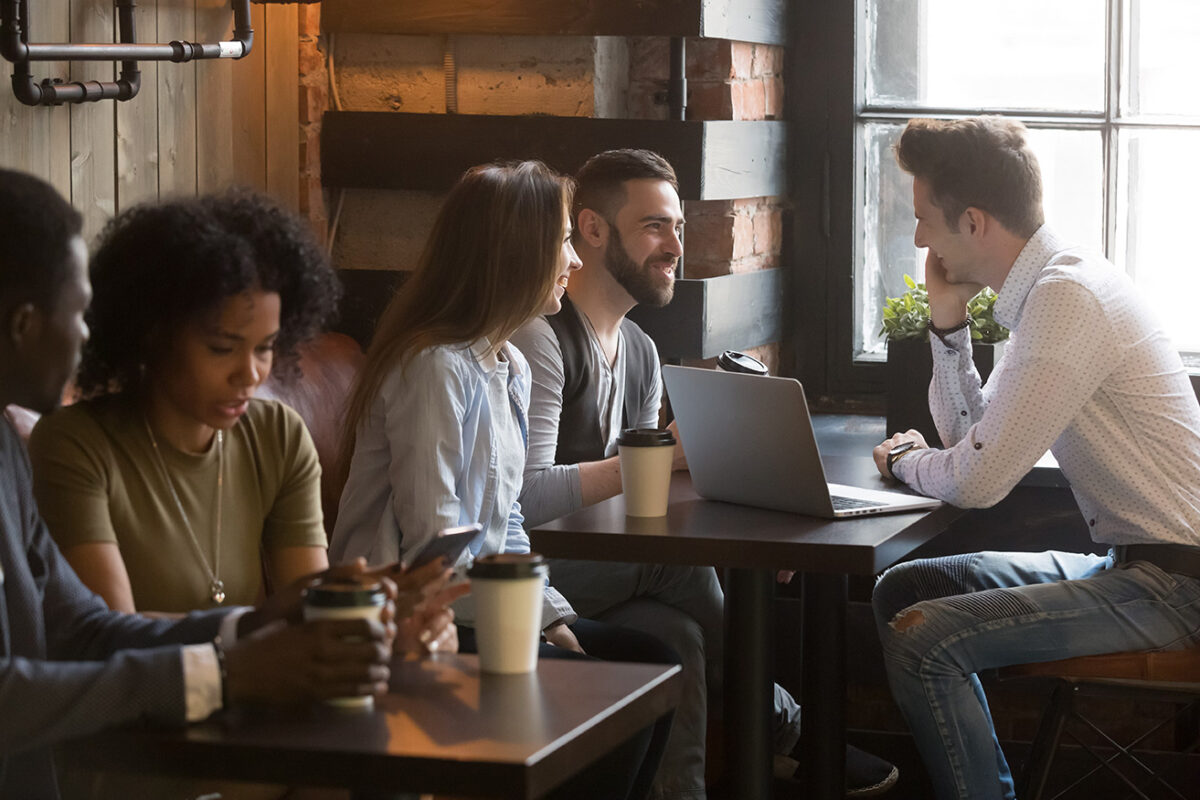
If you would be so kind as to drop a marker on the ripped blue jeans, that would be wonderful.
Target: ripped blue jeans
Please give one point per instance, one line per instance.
(942, 620)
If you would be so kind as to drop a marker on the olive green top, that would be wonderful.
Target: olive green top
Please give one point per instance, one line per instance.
(97, 479)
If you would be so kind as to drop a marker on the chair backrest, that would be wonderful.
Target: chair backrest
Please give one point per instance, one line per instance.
(328, 365)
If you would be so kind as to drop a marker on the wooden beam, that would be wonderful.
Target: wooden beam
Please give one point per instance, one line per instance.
(711, 315)
(759, 21)
(715, 160)
(707, 316)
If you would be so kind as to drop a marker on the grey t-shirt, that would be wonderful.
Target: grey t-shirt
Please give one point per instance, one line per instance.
(550, 490)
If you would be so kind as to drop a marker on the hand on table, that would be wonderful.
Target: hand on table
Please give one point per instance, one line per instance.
(286, 664)
(560, 635)
(882, 449)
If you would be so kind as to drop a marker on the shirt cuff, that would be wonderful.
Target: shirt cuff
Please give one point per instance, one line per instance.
(201, 681)
(229, 625)
(555, 608)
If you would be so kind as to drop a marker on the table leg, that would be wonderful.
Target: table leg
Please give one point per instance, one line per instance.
(749, 695)
(823, 726)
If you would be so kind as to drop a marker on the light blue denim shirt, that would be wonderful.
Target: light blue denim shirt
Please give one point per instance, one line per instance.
(431, 454)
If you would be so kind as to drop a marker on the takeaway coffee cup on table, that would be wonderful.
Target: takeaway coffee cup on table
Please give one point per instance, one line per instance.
(733, 361)
(508, 610)
(345, 598)
(646, 458)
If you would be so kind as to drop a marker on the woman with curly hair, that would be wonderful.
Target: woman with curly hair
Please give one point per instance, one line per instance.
(170, 488)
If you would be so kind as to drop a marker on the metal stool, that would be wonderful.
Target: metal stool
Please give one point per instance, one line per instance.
(1168, 677)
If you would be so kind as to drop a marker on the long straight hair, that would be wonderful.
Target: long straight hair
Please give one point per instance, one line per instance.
(489, 264)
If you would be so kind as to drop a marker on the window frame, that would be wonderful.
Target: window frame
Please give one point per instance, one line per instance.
(826, 86)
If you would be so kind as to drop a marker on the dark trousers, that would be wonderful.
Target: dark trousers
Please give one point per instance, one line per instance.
(628, 771)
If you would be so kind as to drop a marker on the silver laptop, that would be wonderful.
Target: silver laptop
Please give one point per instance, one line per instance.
(749, 440)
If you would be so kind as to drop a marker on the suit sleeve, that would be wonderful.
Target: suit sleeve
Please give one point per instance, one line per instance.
(102, 667)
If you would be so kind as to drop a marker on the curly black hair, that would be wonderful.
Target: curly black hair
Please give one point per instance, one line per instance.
(159, 266)
(36, 229)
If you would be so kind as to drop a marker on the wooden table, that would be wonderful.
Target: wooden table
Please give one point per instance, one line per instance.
(443, 727)
(751, 544)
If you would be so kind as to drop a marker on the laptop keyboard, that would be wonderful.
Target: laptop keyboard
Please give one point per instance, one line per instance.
(848, 503)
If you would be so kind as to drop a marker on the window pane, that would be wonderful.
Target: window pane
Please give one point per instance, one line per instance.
(1029, 54)
(1162, 57)
(1157, 178)
(1073, 189)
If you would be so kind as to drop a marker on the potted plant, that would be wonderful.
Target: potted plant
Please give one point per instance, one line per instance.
(910, 362)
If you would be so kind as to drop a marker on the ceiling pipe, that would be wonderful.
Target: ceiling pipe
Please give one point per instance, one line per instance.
(14, 27)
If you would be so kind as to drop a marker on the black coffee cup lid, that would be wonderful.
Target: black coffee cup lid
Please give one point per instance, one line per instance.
(344, 593)
(645, 437)
(509, 566)
(733, 361)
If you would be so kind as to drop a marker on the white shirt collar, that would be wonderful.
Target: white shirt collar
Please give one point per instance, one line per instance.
(1034, 256)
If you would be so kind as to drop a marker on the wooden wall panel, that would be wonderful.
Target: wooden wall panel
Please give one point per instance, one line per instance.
(176, 104)
(193, 127)
(283, 105)
(137, 126)
(38, 140)
(93, 125)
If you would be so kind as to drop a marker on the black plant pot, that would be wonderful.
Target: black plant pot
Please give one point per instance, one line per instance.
(909, 370)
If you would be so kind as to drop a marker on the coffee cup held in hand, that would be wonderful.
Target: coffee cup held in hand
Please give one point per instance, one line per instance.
(345, 598)
(646, 458)
(508, 610)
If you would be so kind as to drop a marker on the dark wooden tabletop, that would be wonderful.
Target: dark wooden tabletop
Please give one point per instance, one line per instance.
(698, 531)
(444, 727)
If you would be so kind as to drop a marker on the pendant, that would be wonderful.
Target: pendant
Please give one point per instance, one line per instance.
(216, 591)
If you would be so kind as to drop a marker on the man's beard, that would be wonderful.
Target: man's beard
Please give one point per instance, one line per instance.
(639, 280)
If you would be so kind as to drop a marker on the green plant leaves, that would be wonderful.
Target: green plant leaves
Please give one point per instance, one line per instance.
(907, 316)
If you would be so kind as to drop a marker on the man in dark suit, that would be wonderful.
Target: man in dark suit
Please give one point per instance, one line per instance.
(68, 665)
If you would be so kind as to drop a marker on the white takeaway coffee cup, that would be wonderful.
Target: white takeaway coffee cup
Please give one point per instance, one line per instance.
(345, 598)
(508, 592)
(647, 455)
(733, 361)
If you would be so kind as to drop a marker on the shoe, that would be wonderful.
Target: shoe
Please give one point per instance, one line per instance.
(866, 775)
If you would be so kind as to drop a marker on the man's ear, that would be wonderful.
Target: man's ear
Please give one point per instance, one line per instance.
(24, 322)
(975, 222)
(592, 228)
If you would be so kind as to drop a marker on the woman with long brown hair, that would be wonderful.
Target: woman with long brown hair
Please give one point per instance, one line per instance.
(436, 427)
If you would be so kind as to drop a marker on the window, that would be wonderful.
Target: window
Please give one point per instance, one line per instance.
(1108, 90)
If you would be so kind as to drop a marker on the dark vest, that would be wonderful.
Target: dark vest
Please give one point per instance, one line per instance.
(579, 435)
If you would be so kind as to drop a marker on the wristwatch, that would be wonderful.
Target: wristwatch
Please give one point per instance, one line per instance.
(896, 453)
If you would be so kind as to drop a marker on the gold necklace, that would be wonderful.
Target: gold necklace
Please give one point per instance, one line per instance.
(216, 587)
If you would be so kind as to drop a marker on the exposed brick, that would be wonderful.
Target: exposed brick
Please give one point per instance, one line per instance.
(314, 102)
(649, 58)
(312, 60)
(709, 59)
(768, 60)
(647, 100)
(768, 230)
(707, 100)
(742, 57)
(749, 100)
(773, 97)
(708, 237)
(743, 236)
(310, 19)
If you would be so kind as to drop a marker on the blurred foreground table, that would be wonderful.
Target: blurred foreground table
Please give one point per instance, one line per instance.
(443, 727)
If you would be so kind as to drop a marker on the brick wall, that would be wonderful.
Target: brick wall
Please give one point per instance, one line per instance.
(726, 80)
(568, 76)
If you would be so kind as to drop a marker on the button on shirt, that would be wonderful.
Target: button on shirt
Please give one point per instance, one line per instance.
(1087, 374)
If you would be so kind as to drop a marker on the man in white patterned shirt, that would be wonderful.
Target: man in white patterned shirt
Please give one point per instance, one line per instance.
(1089, 375)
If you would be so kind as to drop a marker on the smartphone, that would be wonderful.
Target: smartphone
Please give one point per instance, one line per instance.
(448, 544)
